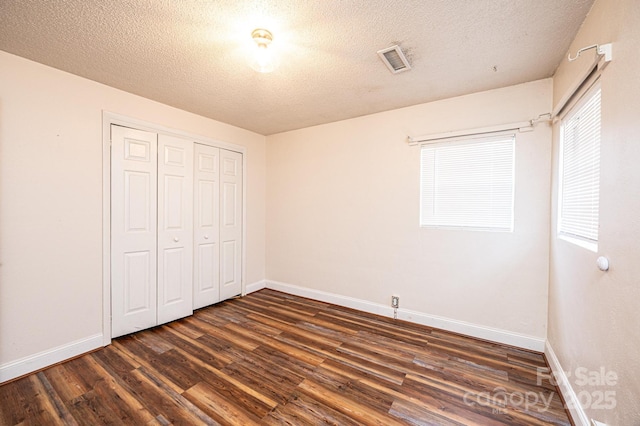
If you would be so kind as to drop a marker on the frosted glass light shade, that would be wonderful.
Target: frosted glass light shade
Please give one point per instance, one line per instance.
(262, 60)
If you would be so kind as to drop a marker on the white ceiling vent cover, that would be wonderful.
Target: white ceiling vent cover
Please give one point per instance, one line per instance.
(394, 59)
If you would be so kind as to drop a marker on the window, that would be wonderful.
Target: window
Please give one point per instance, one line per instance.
(468, 184)
(580, 172)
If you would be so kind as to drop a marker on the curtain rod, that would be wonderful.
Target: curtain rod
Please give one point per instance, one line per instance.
(602, 58)
(604, 55)
(521, 126)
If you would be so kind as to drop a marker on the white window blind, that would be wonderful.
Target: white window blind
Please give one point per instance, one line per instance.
(468, 184)
(580, 169)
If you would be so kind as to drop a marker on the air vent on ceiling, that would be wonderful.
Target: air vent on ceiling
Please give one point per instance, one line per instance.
(394, 59)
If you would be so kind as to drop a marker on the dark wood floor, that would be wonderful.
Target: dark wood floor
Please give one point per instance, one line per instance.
(271, 358)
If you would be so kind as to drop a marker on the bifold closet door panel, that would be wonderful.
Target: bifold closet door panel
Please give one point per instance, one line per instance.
(175, 228)
(206, 234)
(230, 224)
(133, 230)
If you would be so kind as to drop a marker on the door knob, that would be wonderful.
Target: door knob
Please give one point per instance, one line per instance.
(206, 237)
(176, 239)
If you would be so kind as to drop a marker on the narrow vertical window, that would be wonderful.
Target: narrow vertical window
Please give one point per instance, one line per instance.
(580, 172)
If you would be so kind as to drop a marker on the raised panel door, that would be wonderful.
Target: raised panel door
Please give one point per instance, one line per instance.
(206, 271)
(133, 230)
(230, 224)
(175, 228)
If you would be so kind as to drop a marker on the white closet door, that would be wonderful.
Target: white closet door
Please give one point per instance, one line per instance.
(133, 230)
(230, 224)
(175, 228)
(206, 235)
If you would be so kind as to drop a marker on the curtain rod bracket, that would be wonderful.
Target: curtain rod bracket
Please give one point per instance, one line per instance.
(546, 117)
(602, 49)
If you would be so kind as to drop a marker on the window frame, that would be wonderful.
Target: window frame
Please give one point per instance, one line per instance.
(575, 109)
(509, 136)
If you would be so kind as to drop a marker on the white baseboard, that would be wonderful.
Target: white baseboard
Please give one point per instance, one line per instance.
(336, 299)
(571, 400)
(49, 357)
(448, 324)
(258, 285)
(475, 330)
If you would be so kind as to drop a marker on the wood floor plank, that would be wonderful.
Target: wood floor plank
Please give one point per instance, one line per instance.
(177, 366)
(144, 395)
(417, 414)
(477, 409)
(154, 342)
(273, 358)
(156, 400)
(227, 338)
(87, 410)
(391, 351)
(294, 365)
(282, 314)
(210, 316)
(296, 303)
(218, 407)
(258, 379)
(186, 329)
(128, 347)
(194, 347)
(376, 399)
(290, 297)
(184, 412)
(61, 412)
(65, 382)
(290, 350)
(114, 360)
(453, 408)
(376, 356)
(359, 412)
(118, 397)
(303, 410)
(469, 381)
(225, 381)
(278, 299)
(296, 330)
(379, 370)
(355, 325)
(41, 409)
(270, 379)
(227, 311)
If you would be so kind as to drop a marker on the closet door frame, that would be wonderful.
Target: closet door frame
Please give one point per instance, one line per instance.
(108, 119)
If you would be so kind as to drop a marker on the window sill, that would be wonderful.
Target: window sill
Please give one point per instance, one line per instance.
(591, 246)
(467, 228)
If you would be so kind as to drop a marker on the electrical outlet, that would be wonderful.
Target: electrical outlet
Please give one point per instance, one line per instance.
(395, 301)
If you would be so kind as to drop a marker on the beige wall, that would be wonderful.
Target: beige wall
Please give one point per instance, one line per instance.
(51, 200)
(594, 319)
(342, 215)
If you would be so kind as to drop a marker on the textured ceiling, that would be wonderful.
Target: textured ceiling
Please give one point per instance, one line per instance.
(192, 54)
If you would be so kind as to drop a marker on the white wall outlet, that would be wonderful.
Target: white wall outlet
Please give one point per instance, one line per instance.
(395, 301)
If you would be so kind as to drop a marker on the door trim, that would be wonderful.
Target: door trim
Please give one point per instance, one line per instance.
(109, 118)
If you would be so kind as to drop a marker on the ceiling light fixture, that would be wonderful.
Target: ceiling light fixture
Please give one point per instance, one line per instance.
(262, 60)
